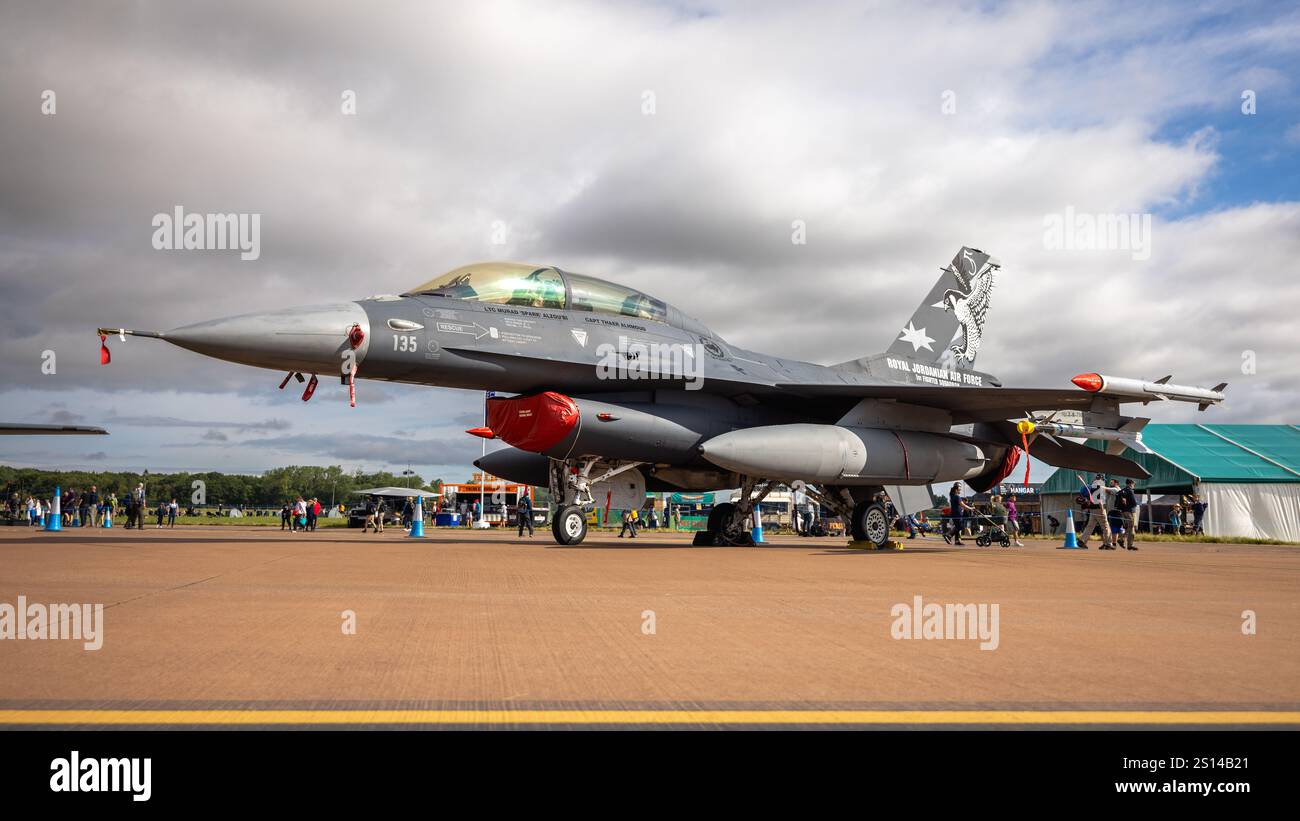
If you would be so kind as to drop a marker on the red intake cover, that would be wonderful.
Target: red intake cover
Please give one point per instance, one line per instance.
(536, 423)
(982, 483)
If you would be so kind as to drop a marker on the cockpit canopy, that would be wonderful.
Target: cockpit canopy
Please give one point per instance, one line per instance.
(532, 286)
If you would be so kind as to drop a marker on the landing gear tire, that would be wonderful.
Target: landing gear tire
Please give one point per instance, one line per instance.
(569, 525)
(723, 529)
(703, 538)
(870, 524)
(720, 517)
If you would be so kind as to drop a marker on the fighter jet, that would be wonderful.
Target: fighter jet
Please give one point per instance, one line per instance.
(613, 393)
(21, 429)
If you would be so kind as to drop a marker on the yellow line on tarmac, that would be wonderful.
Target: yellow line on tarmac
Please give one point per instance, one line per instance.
(646, 717)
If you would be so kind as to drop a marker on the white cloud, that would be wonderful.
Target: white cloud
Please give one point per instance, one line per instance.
(532, 115)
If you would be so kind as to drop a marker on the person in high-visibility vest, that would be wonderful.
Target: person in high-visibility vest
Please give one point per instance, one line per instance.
(629, 524)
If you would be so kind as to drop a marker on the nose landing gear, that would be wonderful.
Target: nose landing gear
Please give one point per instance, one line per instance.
(570, 483)
(569, 526)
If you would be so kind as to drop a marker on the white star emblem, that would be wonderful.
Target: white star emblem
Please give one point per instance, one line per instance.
(917, 337)
(579, 336)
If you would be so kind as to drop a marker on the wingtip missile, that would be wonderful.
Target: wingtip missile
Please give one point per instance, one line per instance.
(1143, 391)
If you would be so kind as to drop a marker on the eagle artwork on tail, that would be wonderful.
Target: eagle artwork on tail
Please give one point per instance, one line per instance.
(969, 305)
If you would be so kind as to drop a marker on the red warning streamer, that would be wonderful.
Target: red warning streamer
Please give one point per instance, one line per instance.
(1024, 440)
(355, 337)
(104, 356)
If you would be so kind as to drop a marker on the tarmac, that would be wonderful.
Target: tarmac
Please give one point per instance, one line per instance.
(209, 626)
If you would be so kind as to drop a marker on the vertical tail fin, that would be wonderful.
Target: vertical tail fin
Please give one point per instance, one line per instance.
(948, 326)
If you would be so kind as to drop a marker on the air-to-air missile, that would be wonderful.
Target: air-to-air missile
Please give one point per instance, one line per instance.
(1127, 435)
(1146, 391)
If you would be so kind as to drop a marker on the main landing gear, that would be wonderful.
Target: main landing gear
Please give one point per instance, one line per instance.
(870, 523)
(861, 508)
(571, 481)
(729, 522)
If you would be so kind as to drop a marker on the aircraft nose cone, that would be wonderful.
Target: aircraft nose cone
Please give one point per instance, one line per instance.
(311, 338)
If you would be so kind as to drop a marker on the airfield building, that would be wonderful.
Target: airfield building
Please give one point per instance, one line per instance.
(1248, 475)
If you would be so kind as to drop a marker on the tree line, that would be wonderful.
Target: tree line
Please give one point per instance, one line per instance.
(331, 485)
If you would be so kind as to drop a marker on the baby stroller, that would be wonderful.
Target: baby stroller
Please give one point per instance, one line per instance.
(995, 533)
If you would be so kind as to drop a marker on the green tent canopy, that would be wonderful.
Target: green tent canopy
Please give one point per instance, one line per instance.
(1184, 454)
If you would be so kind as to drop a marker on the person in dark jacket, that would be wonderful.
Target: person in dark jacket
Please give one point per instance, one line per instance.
(1198, 513)
(1126, 505)
(136, 510)
(525, 513)
(959, 507)
(374, 514)
(91, 500)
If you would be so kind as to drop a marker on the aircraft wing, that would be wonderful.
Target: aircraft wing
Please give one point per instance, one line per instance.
(1066, 454)
(16, 429)
(966, 404)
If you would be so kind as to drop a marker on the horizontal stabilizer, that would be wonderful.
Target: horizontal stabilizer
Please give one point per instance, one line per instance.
(1066, 454)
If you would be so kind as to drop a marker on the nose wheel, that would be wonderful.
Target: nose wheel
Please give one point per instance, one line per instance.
(569, 525)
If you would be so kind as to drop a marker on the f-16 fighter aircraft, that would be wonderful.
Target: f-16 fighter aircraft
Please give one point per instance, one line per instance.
(615, 393)
(20, 429)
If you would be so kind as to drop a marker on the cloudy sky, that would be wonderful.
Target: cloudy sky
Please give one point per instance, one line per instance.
(669, 146)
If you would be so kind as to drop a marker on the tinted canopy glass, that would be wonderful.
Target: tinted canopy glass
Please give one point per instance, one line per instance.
(502, 283)
(533, 286)
(591, 294)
